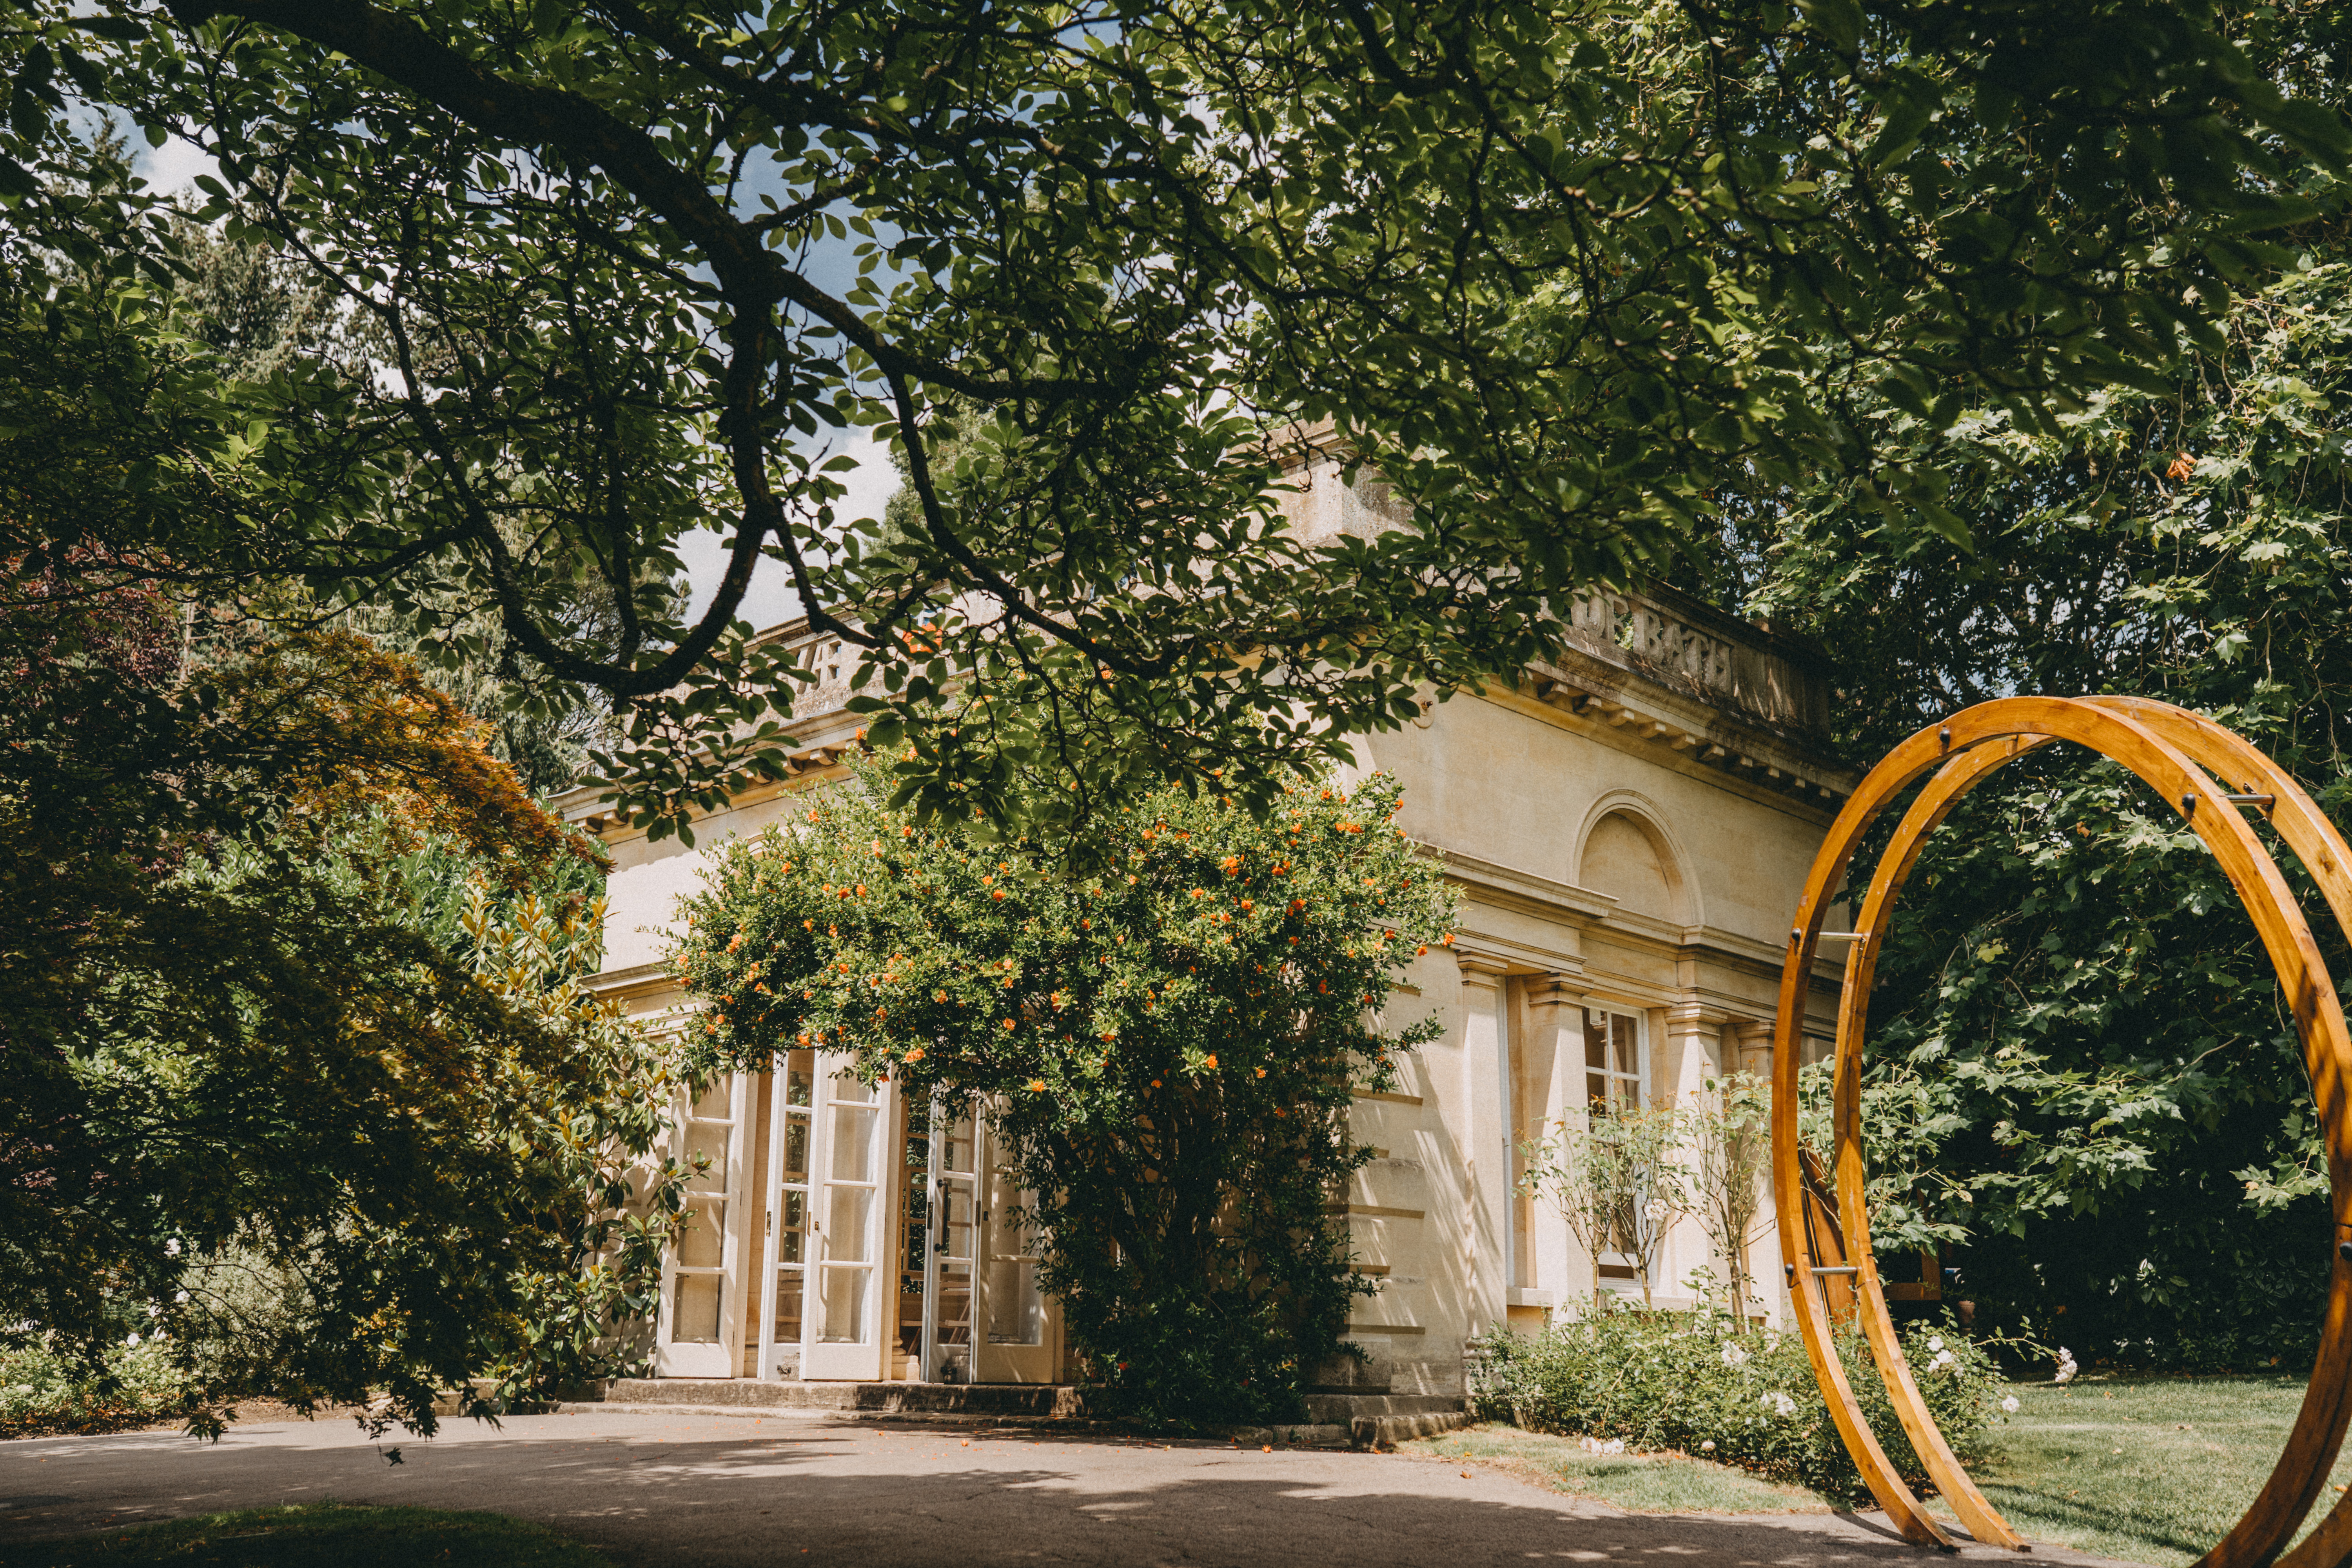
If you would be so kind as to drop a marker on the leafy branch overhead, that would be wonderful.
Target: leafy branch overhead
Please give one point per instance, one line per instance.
(1557, 273)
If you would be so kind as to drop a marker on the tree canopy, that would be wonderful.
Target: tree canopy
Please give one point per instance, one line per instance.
(1556, 272)
(2082, 1075)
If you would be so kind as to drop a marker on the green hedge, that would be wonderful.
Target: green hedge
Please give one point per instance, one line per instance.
(1700, 1382)
(42, 1392)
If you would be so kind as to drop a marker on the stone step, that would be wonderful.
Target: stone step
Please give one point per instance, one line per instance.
(1388, 1431)
(1033, 1400)
(1343, 1408)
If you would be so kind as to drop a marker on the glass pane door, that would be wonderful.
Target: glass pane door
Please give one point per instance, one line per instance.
(1018, 1341)
(954, 1235)
(791, 1134)
(852, 1199)
(697, 1335)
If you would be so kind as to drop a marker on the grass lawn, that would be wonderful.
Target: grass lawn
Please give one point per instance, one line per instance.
(1638, 1483)
(324, 1532)
(2151, 1469)
(2147, 1469)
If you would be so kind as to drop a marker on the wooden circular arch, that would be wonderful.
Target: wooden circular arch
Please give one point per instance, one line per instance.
(1825, 1238)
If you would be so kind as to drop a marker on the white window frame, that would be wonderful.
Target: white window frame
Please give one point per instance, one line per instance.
(1630, 1281)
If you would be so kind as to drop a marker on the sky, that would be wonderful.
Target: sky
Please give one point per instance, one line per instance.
(173, 167)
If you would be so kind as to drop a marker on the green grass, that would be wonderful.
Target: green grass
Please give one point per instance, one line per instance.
(1638, 1483)
(2143, 1469)
(2149, 1469)
(313, 1534)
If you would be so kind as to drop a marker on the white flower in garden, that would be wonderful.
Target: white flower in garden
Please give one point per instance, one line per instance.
(1935, 1341)
(1771, 1343)
(1707, 1447)
(181, 1299)
(1778, 1404)
(172, 1247)
(2009, 1405)
(2066, 1367)
(133, 1341)
(1943, 1358)
(1734, 1357)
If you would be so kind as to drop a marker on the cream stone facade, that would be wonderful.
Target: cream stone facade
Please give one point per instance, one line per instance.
(1628, 827)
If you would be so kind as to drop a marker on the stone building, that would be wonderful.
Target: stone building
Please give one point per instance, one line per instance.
(1628, 827)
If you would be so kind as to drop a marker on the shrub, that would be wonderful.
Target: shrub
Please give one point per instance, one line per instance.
(1661, 1380)
(43, 1391)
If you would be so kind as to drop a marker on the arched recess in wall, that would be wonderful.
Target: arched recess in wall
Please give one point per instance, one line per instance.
(1625, 850)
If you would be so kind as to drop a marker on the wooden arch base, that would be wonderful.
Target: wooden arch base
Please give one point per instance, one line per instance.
(2180, 755)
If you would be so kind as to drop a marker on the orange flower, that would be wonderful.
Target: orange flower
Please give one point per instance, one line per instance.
(1008, 1025)
(1209, 1062)
(914, 1055)
(1037, 1085)
(1261, 1072)
(1231, 865)
(1197, 892)
(861, 889)
(997, 893)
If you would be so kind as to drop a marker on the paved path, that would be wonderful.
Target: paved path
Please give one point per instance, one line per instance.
(686, 1490)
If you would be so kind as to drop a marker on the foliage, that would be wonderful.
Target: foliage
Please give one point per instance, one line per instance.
(1561, 275)
(2081, 1073)
(248, 1100)
(1730, 1157)
(42, 1391)
(351, 1534)
(1618, 1180)
(586, 1305)
(1683, 1381)
(1166, 1048)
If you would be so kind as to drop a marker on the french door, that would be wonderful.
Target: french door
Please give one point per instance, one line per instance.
(1020, 1339)
(783, 1302)
(700, 1322)
(845, 1331)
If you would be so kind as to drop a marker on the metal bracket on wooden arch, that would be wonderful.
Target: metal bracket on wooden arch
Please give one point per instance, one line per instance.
(2178, 754)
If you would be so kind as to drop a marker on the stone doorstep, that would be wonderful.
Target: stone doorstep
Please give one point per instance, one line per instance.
(1363, 1420)
(1388, 1431)
(1310, 1435)
(1345, 1408)
(1050, 1401)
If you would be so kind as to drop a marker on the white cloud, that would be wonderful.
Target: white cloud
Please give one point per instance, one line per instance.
(173, 167)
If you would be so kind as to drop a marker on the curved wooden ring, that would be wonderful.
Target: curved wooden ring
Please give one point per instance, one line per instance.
(2170, 749)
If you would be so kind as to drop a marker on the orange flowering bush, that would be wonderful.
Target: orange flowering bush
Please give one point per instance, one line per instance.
(1166, 1044)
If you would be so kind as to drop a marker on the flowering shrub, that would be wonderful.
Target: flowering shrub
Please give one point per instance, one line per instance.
(1165, 1045)
(1704, 1383)
(42, 1391)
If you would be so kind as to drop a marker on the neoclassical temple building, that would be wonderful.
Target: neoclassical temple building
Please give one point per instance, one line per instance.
(1628, 826)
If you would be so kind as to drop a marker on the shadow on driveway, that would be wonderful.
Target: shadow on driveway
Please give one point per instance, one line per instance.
(698, 1491)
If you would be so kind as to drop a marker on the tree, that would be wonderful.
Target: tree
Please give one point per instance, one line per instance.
(1730, 1158)
(1557, 275)
(1618, 1181)
(1167, 1049)
(2079, 1077)
(245, 1096)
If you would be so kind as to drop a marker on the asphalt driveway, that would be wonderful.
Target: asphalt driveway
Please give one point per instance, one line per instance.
(689, 1491)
